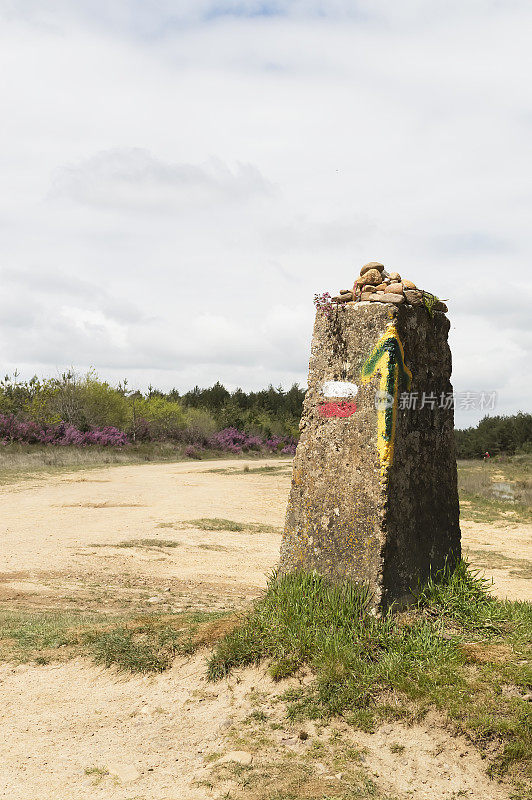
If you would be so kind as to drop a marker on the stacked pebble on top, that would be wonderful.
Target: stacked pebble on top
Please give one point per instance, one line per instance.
(377, 285)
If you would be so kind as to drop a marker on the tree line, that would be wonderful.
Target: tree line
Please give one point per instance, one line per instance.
(496, 435)
(88, 405)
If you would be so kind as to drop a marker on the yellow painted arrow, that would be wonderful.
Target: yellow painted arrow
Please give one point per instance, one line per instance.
(388, 359)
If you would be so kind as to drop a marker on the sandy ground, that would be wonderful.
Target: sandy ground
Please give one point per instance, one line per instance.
(153, 736)
(149, 738)
(50, 529)
(58, 534)
(503, 554)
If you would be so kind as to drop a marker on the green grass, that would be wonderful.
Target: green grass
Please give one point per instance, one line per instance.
(23, 462)
(143, 543)
(147, 643)
(144, 648)
(32, 461)
(490, 559)
(269, 469)
(453, 652)
(97, 773)
(477, 487)
(220, 524)
(486, 509)
(461, 596)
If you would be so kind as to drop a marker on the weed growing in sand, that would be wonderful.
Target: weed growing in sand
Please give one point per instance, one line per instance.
(151, 645)
(218, 548)
(402, 665)
(490, 559)
(98, 773)
(144, 648)
(220, 524)
(397, 749)
(281, 773)
(498, 491)
(215, 524)
(145, 543)
(269, 469)
(146, 643)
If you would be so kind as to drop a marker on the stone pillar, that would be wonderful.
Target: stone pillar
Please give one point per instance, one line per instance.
(374, 489)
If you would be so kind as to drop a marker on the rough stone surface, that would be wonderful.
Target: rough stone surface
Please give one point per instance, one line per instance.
(391, 297)
(414, 297)
(396, 288)
(371, 276)
(380, 511)
(372, 265)
(343, 297)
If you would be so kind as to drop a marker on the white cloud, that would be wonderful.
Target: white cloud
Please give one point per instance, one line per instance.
(96, 326)
(133, 179)
(179, 179)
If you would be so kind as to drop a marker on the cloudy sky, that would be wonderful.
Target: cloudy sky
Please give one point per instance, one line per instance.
(179, 177)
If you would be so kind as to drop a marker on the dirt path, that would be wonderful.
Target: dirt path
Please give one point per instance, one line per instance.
(59, 537)
(78, 732)
(503, 554)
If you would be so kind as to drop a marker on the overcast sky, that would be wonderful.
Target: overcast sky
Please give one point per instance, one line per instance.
(179, 179)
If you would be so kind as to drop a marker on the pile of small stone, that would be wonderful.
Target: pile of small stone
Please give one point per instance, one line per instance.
(375, 284)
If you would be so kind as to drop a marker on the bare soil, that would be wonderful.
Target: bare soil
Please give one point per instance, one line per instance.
(59, 536)
(77, 731)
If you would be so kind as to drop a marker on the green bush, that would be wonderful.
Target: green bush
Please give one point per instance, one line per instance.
(200, 423)
(165, 417)
(94, 404)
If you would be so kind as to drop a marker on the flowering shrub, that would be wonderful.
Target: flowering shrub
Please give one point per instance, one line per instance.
(62, 434)
(193, 452)
(324, 303)
(274, 443)
(106, 437)
(289, 450)
(231, 440)
(228, 440)
(141, 430)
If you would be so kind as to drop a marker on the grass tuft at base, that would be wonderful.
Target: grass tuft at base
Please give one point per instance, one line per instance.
(444, 654)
